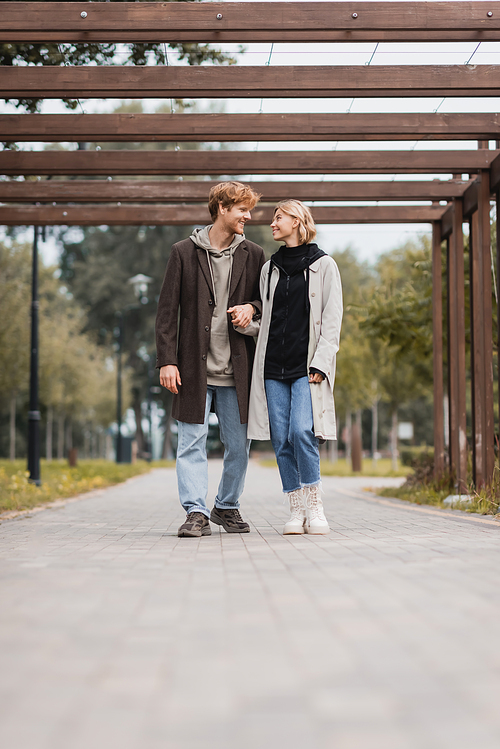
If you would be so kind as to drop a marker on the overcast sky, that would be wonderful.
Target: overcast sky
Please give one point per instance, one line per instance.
(369, 241)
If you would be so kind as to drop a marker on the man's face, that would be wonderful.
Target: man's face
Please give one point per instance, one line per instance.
(235, 217)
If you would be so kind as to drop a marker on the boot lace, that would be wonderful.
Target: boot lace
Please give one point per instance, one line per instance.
(296, 503)
(314, 503)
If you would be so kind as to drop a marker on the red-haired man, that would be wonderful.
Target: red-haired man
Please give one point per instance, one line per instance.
(211, 285)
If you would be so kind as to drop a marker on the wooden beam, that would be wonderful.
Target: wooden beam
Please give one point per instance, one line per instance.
(185, 215)
(456, 356)
(447, 223)
(437, 343)
(497, 264)
(242, 162)
(249, 22)
(283, 81)
(248, 127)
(470, 199)
(173, 191)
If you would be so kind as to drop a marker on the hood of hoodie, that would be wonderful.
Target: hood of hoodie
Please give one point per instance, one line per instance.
(313, 253)
(220, 262)
(201, 238)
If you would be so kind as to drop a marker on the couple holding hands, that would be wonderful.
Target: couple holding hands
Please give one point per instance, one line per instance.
(255, 342)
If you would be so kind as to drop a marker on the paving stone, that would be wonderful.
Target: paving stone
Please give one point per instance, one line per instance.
(116, 633)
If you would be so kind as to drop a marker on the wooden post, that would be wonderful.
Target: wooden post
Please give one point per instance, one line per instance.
(356, 444)
(437, 331)
(497, 195)
(475, 352)
(482, 339)
(456, 343)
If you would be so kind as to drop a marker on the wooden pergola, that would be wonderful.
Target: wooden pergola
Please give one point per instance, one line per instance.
(121, 201)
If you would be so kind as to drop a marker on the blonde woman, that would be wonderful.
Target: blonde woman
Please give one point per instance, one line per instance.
(291, 398)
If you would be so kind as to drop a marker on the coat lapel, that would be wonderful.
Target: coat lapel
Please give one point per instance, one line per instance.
(202, 260)
(240, 258)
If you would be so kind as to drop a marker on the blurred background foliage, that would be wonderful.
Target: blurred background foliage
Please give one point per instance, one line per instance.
(385, 358)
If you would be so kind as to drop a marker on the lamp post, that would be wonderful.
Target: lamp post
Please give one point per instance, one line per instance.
(140, 284)
(119, 389)
(34, 412)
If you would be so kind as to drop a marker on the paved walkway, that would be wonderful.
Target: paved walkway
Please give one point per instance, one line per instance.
(115, 634)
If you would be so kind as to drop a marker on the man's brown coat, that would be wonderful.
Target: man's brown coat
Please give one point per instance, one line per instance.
(184, 320)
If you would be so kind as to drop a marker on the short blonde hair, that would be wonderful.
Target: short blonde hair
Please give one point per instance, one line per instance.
(230, 193)
(296, 209)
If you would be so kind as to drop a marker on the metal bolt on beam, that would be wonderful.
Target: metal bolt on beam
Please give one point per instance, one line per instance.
(83, 14)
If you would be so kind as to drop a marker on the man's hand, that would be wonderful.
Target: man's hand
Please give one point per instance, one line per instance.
(241, 315)
(170, 378)
(315, 377)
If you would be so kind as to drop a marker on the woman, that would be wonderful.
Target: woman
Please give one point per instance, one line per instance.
(291, 399)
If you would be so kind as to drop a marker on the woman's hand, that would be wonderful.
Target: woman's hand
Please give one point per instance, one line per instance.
(170, 377)
(241, 315)
(315, 377)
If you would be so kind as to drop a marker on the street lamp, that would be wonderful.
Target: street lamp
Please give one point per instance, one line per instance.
(140, 284)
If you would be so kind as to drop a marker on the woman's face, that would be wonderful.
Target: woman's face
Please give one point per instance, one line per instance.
(285, 227)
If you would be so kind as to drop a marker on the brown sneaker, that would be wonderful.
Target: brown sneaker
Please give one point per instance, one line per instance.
(231, 520)
(195, 524)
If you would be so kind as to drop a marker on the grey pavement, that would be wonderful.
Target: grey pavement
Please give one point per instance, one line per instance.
(115, 633)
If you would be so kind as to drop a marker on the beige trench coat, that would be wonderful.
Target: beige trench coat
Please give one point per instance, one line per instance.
(325, 296)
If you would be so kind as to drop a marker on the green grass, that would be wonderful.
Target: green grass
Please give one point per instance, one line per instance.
(485, 502)
(422, 495)
(163, 464)
(59, 481)
(342, 467)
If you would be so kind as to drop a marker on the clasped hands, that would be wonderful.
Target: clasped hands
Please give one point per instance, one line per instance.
(241, 315)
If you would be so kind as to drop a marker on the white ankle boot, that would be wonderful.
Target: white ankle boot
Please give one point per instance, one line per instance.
(315, 517)
(298, 513)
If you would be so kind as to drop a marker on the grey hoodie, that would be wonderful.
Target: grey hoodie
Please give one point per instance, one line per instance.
(219, 365)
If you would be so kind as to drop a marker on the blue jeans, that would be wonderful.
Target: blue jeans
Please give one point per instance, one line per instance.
(292, 432)
(192, 463)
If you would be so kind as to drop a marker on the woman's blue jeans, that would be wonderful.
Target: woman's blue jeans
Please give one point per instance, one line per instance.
(292, 432)
(192, 464)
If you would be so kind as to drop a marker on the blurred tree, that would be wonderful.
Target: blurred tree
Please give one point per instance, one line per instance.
(397, 321)
(355, 387)
(97, 268)
(77, 377)
(15, 278)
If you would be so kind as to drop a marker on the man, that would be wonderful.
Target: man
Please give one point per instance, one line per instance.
(210, 287)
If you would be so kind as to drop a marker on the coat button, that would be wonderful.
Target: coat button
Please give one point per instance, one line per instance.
(313, 293)
(210, 302)
(317, 322)
(207, 328)
(204, 357)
